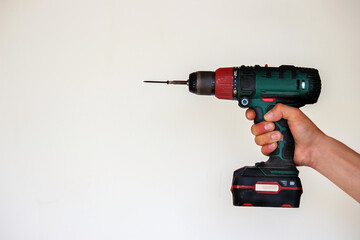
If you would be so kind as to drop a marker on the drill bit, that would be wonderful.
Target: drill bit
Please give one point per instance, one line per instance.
(180, 82)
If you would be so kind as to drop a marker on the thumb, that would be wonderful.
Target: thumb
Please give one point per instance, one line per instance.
(282, 111)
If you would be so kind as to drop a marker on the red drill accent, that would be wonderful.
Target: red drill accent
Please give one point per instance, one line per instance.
(224, 83)
(247, 204)
(268, 99)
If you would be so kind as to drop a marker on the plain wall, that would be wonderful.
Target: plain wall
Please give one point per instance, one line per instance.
(88, 151)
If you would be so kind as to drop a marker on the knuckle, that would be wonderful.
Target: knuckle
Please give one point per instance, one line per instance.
(256, 129)
(261, 139)
(253, 131)
(264, 151)
(278, 107)
(258, 140)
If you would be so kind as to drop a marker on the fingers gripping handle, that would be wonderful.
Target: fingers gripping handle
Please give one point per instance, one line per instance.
(284, 153)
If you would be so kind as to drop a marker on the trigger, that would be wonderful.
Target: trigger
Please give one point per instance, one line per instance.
(259, 115)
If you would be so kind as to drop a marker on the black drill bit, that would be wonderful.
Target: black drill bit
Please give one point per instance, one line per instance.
(181, 82)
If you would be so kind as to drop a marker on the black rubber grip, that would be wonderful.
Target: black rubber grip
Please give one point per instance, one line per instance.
(259, 115)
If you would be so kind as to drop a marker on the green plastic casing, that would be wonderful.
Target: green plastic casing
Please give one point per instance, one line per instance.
(261, 88)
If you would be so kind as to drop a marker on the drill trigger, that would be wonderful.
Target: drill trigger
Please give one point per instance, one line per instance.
(259, 115)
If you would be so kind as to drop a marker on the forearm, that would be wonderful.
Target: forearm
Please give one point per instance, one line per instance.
(338, 163)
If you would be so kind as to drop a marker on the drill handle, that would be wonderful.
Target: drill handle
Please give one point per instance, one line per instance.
(284, 153)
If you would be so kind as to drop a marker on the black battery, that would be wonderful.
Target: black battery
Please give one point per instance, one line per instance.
(266, 187)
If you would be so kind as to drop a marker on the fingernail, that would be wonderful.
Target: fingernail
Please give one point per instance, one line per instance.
(273, 145)
(269, 114)
(275, 136)
(268, 127)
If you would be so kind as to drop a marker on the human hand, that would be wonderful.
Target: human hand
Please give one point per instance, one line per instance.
(306, 134)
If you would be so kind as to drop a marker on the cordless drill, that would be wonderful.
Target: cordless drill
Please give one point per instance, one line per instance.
(274, 183)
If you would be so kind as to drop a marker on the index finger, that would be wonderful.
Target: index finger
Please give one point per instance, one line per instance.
(250, 114)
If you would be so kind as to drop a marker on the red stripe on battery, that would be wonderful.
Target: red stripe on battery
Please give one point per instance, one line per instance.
(241, 187)
(266, 192)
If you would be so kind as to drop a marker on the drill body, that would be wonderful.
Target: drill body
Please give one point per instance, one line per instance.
(274, 183)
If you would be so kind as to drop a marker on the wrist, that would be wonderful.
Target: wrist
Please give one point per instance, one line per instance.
(318, 148)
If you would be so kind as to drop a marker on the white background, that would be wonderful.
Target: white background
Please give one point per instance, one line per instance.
(87, 151)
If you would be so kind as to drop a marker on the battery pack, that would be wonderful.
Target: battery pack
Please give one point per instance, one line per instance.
(266, 187)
